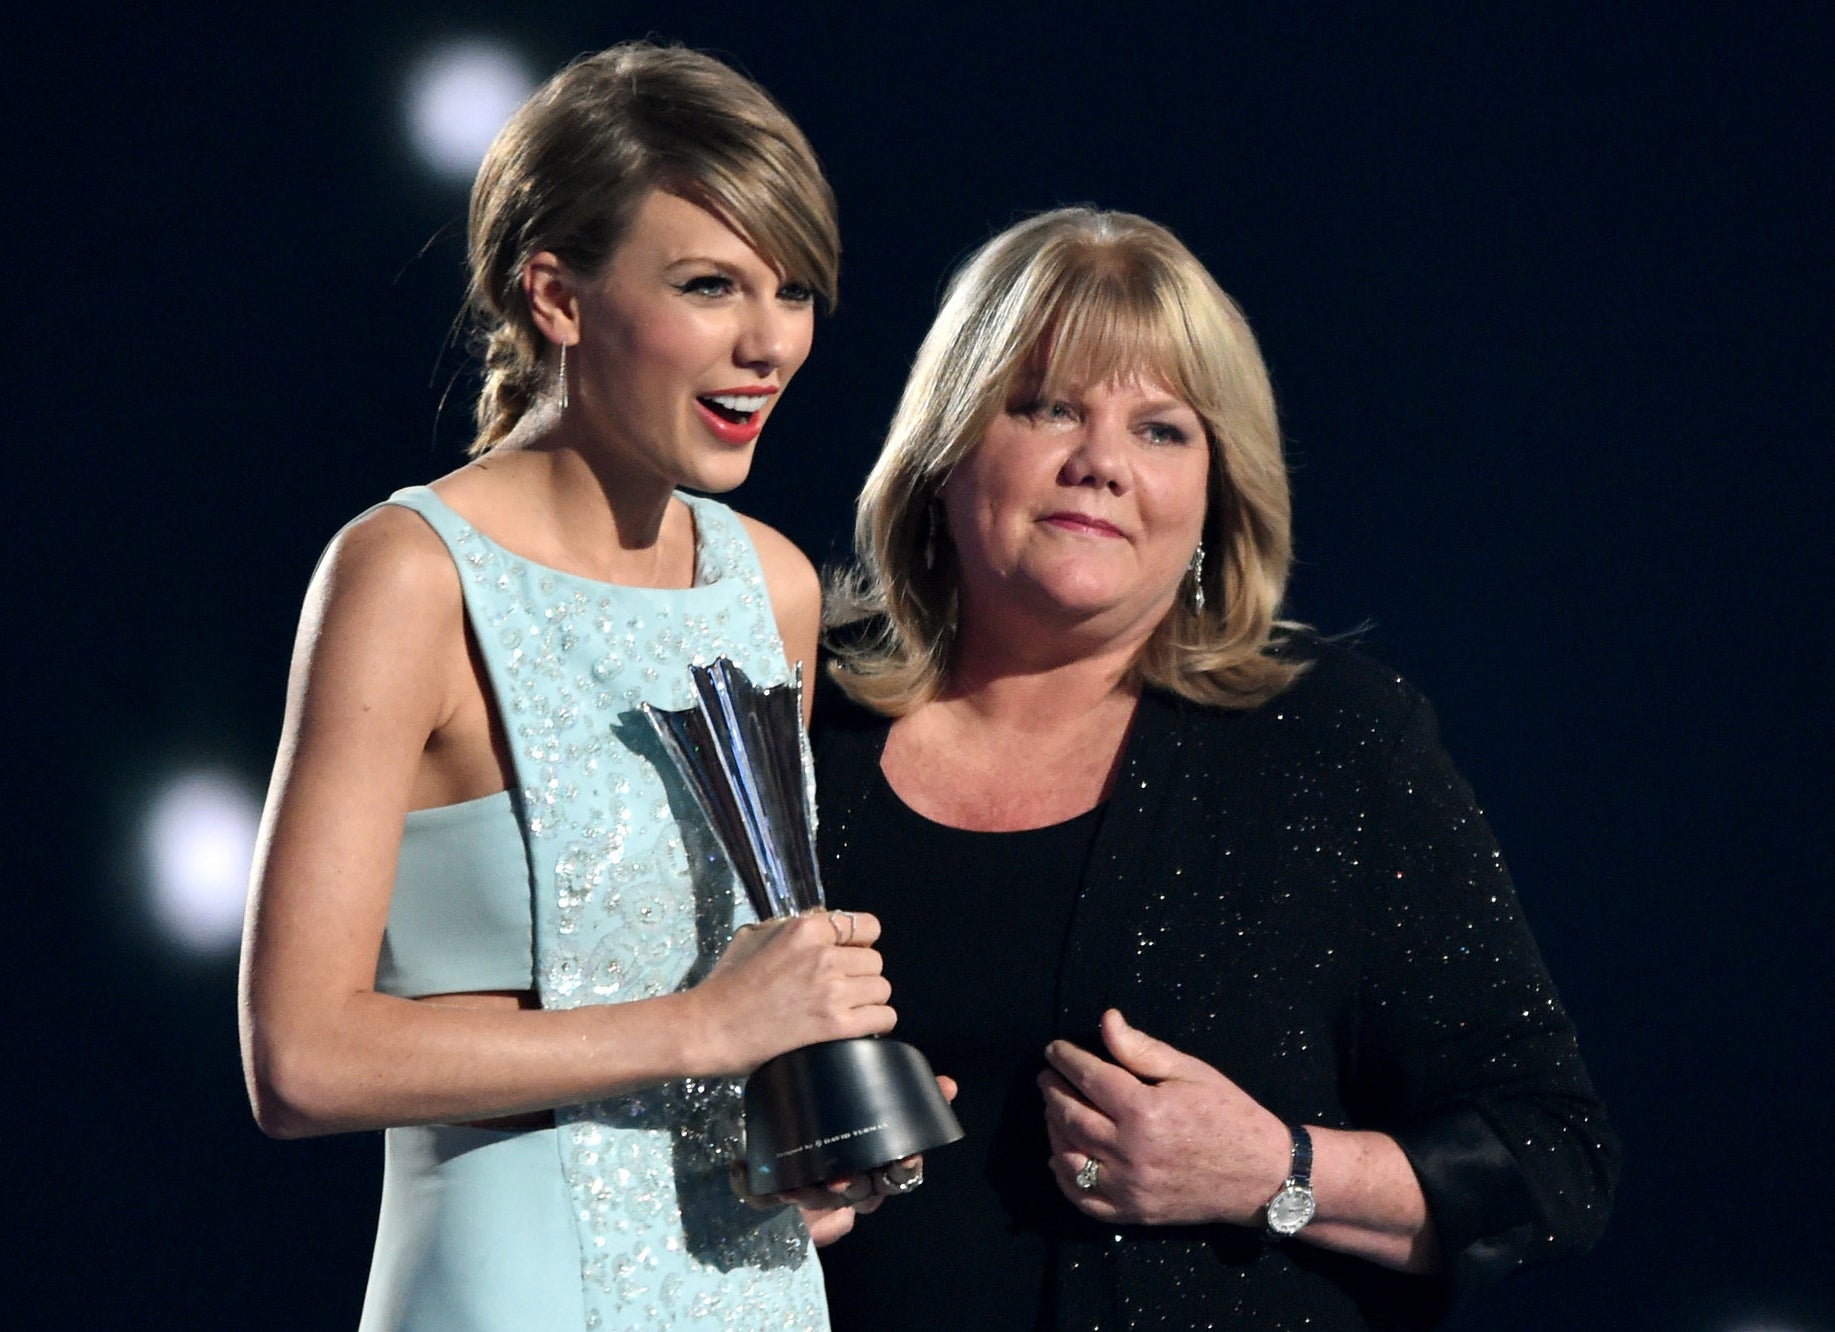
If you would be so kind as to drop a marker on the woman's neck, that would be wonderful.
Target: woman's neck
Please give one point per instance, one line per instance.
(613, 524)
(1041, 675)
(1038, 695)
(1014, 742)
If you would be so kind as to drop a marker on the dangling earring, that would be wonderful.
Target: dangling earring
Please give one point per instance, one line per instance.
(1197, 578)
(563, 376)
(930, 535)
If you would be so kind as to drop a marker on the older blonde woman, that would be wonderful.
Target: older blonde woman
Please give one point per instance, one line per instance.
(484, 917)
(1302, 1065)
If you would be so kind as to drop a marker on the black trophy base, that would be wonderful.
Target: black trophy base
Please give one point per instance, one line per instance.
(827, 1111)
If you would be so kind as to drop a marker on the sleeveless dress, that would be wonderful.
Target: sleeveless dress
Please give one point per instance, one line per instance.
(596, 879)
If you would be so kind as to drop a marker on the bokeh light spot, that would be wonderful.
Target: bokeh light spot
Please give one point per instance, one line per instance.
(458, 96)
(200, 840)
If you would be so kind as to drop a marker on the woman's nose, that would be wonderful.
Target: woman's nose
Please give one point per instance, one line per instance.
(767, 337)
(1099, 456)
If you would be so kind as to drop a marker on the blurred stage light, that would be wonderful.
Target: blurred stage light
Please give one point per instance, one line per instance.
(199, 839)
(458, 95)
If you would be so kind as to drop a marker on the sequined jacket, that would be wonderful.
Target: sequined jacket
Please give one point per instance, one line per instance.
(1306, 896)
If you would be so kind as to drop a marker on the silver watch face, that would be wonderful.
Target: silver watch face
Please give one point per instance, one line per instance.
(1290, 1209)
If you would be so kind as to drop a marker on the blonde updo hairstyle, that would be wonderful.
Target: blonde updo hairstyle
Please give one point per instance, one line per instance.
(1074, 297)
(572, 166)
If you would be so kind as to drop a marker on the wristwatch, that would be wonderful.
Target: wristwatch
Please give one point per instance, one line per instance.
(1292, 1206)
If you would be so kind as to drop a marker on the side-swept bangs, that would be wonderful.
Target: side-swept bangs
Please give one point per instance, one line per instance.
(768, 190)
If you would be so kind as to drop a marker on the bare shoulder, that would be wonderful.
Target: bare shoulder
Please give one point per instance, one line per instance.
(789, 575)
(392, 555)
(384, 605)
(796, 597)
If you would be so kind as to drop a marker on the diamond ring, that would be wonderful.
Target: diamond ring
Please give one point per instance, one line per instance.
(898, 1178)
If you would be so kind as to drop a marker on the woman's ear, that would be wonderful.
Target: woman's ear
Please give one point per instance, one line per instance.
(548, 288)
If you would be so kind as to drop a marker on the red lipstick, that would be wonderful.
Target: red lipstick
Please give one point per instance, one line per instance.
(731, 432)
(735, 415)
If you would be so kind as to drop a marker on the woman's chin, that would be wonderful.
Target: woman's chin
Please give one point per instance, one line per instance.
(717, 475)
(1093, 611)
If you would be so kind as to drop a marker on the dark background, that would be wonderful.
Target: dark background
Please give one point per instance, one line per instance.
(1545, 291)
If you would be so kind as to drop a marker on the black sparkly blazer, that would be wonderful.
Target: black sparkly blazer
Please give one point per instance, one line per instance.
(1306, 896)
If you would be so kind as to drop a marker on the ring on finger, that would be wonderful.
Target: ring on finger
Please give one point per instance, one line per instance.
(835, 918)
(899, 1177)
(1087, 1174)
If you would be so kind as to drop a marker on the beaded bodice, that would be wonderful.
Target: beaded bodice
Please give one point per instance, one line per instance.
(631, 898)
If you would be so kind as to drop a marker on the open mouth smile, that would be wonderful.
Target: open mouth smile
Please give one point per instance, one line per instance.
(736, 407)
(735, 418)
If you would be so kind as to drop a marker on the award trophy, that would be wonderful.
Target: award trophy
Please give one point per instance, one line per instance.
(836, 1108)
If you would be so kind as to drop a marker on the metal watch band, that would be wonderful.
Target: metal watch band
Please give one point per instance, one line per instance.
(1292, 1207)
(1301, 1172)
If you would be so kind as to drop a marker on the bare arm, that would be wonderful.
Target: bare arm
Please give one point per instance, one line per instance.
(1370, 1202)
(377, 672)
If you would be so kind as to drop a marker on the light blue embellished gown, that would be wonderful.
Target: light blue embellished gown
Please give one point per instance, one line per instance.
(595, 876)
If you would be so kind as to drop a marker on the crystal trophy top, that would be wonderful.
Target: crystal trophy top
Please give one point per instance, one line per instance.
(740, 749)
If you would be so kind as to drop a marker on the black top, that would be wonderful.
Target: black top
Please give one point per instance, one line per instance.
(971, 921)
(1305, 896)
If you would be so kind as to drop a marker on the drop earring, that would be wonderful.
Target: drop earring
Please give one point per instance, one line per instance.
(930, 535)
(563, 376)
(1197, 579)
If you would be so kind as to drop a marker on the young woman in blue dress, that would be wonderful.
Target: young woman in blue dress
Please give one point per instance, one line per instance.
(483, 916)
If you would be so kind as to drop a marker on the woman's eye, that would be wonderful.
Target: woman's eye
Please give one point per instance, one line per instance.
(796, 293)
(1159, 432)
(707, 284)
(1037, 409)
